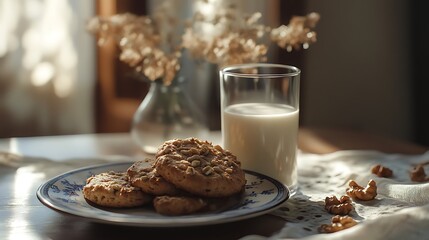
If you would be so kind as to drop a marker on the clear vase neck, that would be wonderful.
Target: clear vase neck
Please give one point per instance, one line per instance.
(177, 81)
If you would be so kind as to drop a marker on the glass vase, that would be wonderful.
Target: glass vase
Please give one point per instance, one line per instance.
(167, 112)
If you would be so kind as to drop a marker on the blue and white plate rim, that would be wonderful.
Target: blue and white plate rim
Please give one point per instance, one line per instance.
(280, 194)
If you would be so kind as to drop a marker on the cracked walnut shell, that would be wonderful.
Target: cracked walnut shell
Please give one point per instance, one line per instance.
(342, 206)
(338, 223)
(357, 192)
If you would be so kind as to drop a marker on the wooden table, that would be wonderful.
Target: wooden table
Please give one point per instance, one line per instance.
(24, 217)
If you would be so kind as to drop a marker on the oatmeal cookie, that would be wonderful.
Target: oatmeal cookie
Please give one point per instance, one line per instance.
(146, 177)
(178, 205)
(112, 189)
(200, 168)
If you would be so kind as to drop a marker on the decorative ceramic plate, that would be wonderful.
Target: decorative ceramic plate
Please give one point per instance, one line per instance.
(64, 194)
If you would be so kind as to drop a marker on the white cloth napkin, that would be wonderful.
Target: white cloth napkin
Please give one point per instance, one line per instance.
(400, 210)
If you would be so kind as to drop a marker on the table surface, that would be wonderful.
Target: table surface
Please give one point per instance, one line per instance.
(24, 217)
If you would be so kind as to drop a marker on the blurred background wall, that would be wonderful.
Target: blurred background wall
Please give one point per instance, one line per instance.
(366, 72)
(47, 72)
(358, 75)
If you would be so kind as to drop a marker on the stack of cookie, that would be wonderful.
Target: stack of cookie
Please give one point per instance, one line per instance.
(183, 177)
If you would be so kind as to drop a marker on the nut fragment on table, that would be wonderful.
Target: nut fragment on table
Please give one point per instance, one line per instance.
(338, 223)
(418, 174)
(382, 171)
(359, 193)
(342, 206)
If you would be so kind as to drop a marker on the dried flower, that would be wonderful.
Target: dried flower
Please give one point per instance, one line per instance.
(140, 45)
(235, 37)
(225, 36)
(298, 33)
(232, 37)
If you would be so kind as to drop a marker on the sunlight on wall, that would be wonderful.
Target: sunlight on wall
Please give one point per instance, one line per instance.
(49, 53)
(9, 24)
(47, 67)
(43, 72)
(47, 44)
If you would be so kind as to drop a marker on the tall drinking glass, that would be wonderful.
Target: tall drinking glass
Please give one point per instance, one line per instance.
(260, 113)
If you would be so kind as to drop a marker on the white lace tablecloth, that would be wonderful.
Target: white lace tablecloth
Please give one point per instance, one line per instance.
(400, 210)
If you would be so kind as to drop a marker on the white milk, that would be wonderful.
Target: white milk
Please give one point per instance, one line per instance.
(264, 139)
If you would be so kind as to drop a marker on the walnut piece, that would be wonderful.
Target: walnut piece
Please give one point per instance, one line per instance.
(338, 207)
(359, 193)
(338, 223)
(418, 174)
(382, 171)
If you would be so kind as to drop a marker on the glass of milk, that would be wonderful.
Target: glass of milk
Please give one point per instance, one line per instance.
(260, 113)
